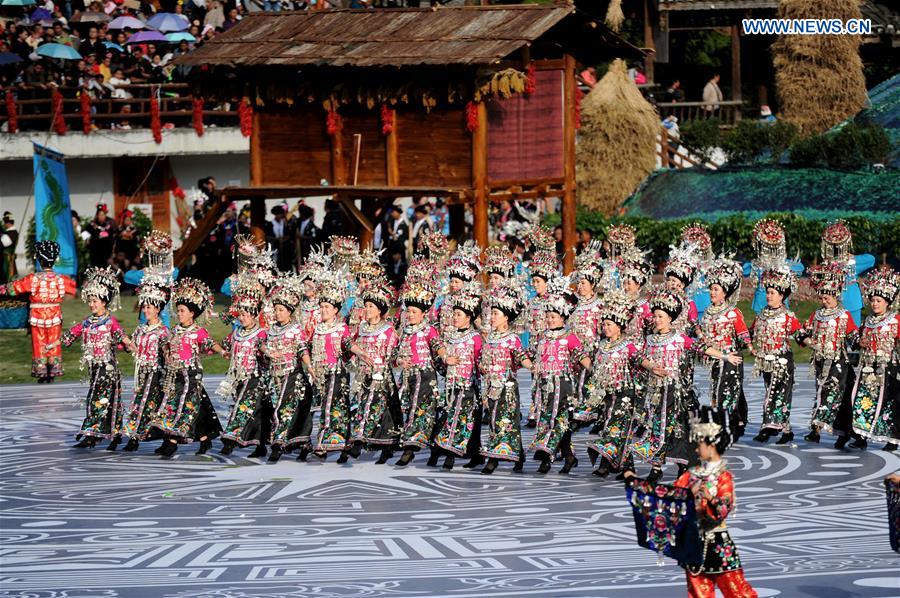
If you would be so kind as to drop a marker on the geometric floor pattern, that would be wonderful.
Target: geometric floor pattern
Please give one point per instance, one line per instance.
(810, 521)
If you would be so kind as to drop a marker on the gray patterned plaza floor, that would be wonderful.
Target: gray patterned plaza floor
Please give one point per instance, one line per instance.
(811, 521)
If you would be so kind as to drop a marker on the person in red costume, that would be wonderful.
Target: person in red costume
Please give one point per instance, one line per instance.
(713, 488)
(46, 290)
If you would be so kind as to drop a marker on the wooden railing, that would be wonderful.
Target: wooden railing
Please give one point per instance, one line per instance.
(672, 154)
(729, 112)
(34, 108)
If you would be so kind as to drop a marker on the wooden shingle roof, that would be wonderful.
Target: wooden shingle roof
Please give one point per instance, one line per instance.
(401, 37)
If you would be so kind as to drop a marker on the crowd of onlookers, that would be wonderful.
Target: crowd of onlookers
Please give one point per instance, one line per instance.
(111, 68)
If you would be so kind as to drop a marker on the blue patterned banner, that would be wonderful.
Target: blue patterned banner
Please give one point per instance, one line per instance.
(52, 210)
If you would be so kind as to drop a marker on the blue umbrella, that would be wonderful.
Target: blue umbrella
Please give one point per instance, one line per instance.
(168, 21)
(9, 58)
(58, 51)
(181, 36)
(16, 2)
(112, 46)
(125, 23)
(40, 13)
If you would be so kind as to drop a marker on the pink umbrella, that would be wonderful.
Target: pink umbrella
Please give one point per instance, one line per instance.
(147, 37)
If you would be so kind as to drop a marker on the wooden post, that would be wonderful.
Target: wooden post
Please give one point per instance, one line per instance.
(736, 65)
(258, 219)
(338, 163)
(256, 163)
(391, 155)
(649, 43)
(479, 177)
(357, 150)
(568, 199)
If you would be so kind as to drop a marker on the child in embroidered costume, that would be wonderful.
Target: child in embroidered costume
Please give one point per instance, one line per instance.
(501, 357)
(613, 387)
(460, 434)
(499, 265)
(186, 413)
(837, 246)
(722, 327)
(585, 321)
(285, 342)
(713, 488)
(379, 417)
(419, 349)
(247, 382)
(544, 266)
(365, 268)
(557, 352)
(634, 273)
(876, 392)
(326, 361)
(147, 344)
(771, 333)
(462, 268)
(46, 290)
(100, 336)
(827, 332)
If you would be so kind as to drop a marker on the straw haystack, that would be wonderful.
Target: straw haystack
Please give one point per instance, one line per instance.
(614, 15)
(616, 143)
(819, 77)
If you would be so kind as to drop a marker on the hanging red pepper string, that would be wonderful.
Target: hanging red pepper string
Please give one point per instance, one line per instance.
(85, 112)
(471, 117)
(155, 124)
(387, 120)
(198, 116)
(245, 114)
(59, 123)
(12, 114)
(578, 97)
(333, 122)
(530, 79)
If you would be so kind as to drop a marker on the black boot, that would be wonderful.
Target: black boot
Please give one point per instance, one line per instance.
(356, 449)
(597, 428)
(890, 447)
(490, 467)
(786, 437)
(405, 458)
(841, 442)
(303, 454)
(859, 443)
(227, 447)
(603, 470)
(386, 453)
(571, 461)
(275, 455)
(204, 447)
(545, 465)
(116, 441)
(763, 436)
(169, 448)
(132, 445)
(813, 436)
(259, 452)
(86, 442)
(160, 448)
(655, 475)
(531, 423)
(449, 462)
(344, 457)
(433, 458)
(474, 462)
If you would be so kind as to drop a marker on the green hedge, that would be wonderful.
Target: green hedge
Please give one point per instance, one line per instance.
(733, 233)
